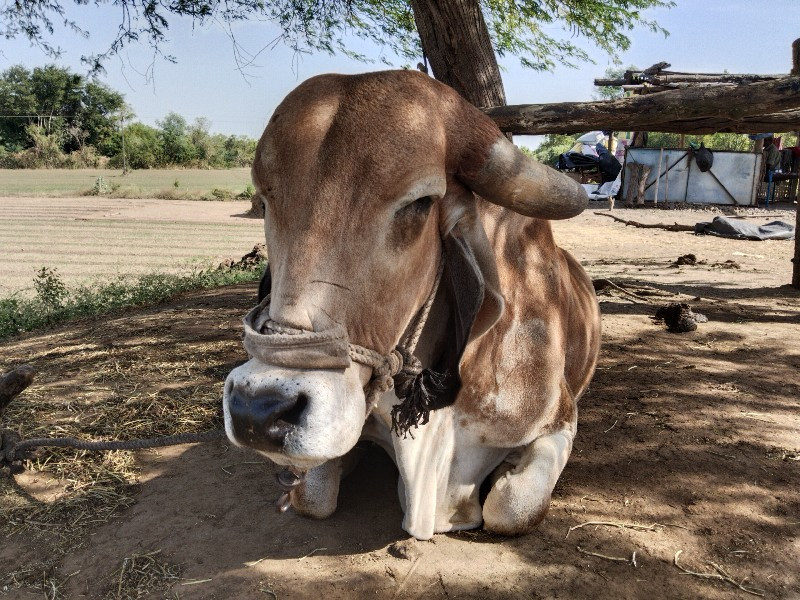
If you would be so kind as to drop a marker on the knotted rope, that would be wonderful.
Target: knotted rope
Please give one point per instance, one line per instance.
(278, 344)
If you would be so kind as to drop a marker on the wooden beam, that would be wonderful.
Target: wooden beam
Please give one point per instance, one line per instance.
(667, 77)
(672, 111)
(796, 57)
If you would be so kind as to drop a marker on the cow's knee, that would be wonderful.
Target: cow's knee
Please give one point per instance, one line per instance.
(520, 497)
(317, 496)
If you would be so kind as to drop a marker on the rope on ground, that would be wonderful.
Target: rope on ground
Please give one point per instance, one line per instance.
(13, 449)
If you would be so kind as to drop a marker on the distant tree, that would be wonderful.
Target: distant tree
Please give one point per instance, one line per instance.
(99, 117)
(176, 143)
(608, 92)
(715, 141)
(238, 151)
(144, 147)
(17, 100)
(51, 117)
(60, 103)
(203, 142)
(553, 146)
(45, 149)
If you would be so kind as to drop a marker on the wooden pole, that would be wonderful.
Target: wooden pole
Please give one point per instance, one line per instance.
(658, 174)
(796, 259)
(644, 173)
(124, 158)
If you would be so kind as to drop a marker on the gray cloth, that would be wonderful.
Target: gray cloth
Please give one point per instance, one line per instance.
(740, 230)
(293, 348)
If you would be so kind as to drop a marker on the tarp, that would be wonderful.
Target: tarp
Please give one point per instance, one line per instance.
(740, 230)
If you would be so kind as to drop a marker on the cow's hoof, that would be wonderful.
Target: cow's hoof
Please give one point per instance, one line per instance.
(512, 507)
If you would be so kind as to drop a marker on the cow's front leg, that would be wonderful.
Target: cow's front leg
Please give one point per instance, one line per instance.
(520, 497)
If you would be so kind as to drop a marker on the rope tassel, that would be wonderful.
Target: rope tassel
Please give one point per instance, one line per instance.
(417, 394)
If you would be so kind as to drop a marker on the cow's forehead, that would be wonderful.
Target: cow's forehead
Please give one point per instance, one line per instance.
(337, 130)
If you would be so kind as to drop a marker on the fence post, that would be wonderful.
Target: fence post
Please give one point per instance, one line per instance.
(796, 259)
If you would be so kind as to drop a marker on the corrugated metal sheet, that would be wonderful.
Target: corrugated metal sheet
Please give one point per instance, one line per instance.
(732, 179)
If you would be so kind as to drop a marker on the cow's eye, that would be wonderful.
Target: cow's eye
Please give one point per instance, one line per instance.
(418, 208)
(408, 221)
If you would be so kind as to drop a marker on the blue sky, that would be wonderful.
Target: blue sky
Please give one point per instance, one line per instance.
(742, 36)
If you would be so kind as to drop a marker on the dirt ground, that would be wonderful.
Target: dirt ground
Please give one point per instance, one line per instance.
(686, 443)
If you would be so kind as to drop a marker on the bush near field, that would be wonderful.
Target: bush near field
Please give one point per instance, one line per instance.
(55, 302)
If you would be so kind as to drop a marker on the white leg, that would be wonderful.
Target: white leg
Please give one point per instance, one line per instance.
(520, 497)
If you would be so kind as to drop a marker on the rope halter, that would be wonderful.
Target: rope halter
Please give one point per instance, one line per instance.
(276, 344)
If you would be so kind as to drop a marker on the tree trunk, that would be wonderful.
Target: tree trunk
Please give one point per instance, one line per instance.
(456, 41)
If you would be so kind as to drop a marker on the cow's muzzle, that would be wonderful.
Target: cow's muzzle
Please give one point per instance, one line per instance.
(263, 422)
(294, 391)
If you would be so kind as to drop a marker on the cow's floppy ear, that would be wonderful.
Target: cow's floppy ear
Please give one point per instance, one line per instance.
(470, 285)
(265, 285)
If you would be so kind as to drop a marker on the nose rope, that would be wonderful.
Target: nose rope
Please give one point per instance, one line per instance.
(276, 343)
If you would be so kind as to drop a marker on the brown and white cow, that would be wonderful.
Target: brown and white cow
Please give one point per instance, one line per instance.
(370, 183)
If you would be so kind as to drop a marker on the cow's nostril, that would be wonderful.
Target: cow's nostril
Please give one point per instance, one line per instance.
(263, 422)
(293, 415)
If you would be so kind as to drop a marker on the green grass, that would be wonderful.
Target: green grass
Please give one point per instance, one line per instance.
(56, 303)
(150, 183)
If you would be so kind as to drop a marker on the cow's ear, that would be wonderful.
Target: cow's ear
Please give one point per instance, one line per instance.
(477, 252)
(470, 285)
(265, 285)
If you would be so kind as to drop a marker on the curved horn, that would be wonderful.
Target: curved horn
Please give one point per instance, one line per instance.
(498, 171)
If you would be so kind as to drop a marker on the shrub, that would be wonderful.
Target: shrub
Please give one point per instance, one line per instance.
(221, 194)
(247, 193)
(55, 303)
(85, 158)
(100, 188)
(50, 288)
(8, 159)
(45, 150)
